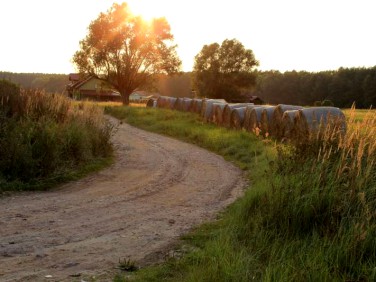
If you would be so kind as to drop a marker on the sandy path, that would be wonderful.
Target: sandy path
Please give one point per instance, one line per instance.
(158, 189)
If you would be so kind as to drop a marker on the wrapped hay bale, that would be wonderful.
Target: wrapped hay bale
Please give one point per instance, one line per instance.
(186, 104)
(171, 103)
(254, 118)
(265, 120)
(287, 124)
(162, 101)
(151, 103)
(196, 106)
(226, 115)
(247, 115)
(237, 118)
(217, 112)
(178, 104)
(275, 125)
(207, 108)
(313, 121)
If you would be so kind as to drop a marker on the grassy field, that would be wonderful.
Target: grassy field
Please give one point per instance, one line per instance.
(46, 139)
(307, 216)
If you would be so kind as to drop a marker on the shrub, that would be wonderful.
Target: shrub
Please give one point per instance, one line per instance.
(327, 103)
(45, 135)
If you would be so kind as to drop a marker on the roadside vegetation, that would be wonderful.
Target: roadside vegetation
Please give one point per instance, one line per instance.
(308, 215)
(45, 139)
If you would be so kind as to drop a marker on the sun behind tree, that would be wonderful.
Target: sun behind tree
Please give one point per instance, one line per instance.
(126, 51)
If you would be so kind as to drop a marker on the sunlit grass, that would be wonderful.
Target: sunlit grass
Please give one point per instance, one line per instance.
(45, 139)
(307, 216)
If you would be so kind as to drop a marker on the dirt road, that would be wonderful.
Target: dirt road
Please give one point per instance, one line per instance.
(157, 190)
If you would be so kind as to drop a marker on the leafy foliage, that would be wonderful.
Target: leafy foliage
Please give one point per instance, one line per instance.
(224, 71)
(125, 51)
(44, 139)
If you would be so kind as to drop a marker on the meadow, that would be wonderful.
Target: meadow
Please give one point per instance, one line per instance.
(308, 214)
(46, 139)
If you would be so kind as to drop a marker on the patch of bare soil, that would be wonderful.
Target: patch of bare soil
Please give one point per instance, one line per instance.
(157, 190)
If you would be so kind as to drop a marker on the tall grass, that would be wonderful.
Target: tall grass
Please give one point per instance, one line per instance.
(309, 214)
(45, 138)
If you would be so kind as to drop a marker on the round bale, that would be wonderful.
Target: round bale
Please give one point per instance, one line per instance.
(255, 118)
(287, 124)
(275, 126)
(265, 120)
(314, 120)
(217, 112)
(237, 118)
(227, 110)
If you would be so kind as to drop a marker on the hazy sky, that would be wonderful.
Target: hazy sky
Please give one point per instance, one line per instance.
(42, 35)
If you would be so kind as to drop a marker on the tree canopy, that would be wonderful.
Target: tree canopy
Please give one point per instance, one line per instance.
(126, 51)
(224, 71)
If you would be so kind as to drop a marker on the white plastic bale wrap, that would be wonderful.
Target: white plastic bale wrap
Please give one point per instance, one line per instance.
(237, 118)
(247, 116)
(178, 104)
(217, 112)
(208, 108)
(255, 118)
(186, 104)
(266, 120)
(171, 103)
(226, 115)
(162, 102)
(287, 124)
(310, 121)
(275, 126)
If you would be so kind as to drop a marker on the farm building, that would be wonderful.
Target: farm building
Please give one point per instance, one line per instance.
(90, 88)
(255, 100)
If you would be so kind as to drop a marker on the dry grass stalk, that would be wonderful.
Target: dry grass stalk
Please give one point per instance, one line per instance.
(314, 121)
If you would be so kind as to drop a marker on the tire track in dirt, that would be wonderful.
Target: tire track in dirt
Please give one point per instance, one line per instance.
(157, 190)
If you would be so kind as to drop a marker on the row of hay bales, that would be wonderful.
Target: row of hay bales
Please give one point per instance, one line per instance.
(281, 121)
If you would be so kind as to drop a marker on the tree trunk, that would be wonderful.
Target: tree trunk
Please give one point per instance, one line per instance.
(125, 98)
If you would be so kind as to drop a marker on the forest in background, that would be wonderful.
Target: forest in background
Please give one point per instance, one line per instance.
(342, 87)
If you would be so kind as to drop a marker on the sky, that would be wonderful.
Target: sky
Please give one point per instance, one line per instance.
(42, 35)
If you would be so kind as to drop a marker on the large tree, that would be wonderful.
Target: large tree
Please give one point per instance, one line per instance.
(126, 51)
(224, 71)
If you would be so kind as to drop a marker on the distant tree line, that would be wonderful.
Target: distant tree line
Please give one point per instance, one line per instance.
(54, 83)
(342, 87)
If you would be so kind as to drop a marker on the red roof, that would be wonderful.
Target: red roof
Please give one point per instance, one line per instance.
(74, 77)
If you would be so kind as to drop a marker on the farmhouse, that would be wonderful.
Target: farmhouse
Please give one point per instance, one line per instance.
(90, 88)
(255, 100)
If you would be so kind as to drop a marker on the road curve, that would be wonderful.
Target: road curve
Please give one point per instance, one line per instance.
(157, 189)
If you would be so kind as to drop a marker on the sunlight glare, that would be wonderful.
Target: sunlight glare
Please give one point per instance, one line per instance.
(147, 11)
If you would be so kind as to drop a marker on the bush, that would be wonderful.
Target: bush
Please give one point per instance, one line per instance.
(327, 103)
(43, 136)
